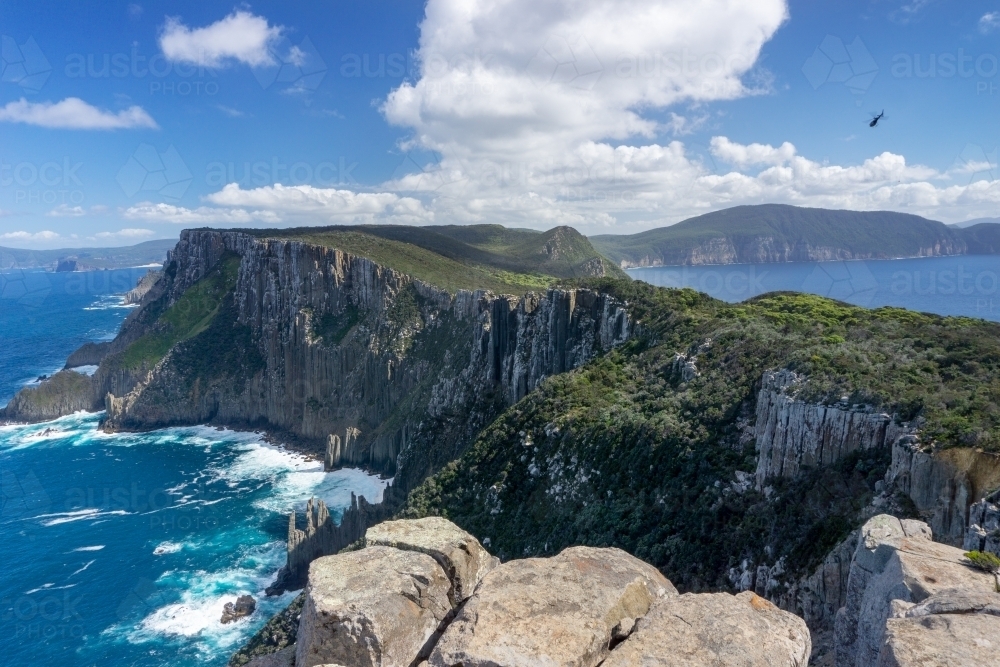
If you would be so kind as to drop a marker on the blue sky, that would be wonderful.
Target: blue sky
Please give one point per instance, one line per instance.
(129, 121)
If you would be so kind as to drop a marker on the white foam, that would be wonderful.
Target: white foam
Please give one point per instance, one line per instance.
(89, 369)
(79, 515)
(96, 547)
(167, 548)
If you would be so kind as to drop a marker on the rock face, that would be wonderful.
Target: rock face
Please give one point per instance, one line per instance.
(551, 611)
(88, 354)
(352, 347)
(390, 605)
(461, 556)
(375, 607)
(714, 629)
(146, 283)
(243, 607)
(943, 484)
(984, 526)
(896, 566)
(792, 434)
(283, 658)
(321, 537)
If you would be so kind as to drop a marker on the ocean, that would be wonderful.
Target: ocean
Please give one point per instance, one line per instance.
(122, 549)
(966, 285)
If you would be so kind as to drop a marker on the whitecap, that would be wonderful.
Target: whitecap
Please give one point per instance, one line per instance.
(164, 548)
(96, 547)
(83, 568)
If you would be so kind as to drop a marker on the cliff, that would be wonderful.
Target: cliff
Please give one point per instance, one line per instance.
(792, 433)
(333, 343)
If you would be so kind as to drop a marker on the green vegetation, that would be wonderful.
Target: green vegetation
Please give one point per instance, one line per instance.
(987, 562)
(190, 315)
(476, 257)
(622, 452)
(334, 328)
(876, 233)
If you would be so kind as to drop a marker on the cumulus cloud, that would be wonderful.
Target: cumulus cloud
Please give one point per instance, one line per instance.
(66, 211)
(500, 78)
(543, 114)
(240, 37)
(73, 113)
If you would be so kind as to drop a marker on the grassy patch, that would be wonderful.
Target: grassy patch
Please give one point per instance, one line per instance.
(190, 315)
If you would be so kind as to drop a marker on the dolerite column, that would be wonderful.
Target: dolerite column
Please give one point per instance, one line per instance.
(332, 460)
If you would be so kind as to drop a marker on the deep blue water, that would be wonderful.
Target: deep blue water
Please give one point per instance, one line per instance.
(966, 285)
(121, 550)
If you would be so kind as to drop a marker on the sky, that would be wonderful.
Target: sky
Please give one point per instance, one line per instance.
(125, 121)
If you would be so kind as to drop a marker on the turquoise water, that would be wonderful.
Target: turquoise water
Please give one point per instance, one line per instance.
(122, 549)
(966, 285)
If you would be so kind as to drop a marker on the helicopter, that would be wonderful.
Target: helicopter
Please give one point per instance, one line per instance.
(876, 118)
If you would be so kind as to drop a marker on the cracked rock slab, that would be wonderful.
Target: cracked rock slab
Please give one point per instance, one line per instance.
(463, 558)
(377, 607)
(551, 611)
(716, 629)
(941, 640)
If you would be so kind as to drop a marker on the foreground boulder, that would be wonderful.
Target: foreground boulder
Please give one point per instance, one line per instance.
(715, 629)
(896, 567)
(461, 556)
(425, 593)
(551, 611)
(377, 606)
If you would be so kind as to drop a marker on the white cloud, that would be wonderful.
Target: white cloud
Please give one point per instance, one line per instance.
(74, 114)
(989, 22)
(203, 215)
(328, 204)
(502, 78)
(280, 204)
(543, 114)
(127, 233)
(66, 211)
(240, 37)
(30, 237)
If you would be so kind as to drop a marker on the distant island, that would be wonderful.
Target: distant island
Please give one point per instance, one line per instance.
(87, 259)
(782, 233)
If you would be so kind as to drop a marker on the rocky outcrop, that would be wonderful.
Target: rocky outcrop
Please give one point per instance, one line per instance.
(983, 533)
(897, 566)
(793, 434)
(64, 393)
(322, 536)
(459, 554)
(561, 610)
(234, 611)
(943, 484)
(283, 658)
(377, 606)
(714, 629)
(389, 606)
(139, 292)
(88, 354)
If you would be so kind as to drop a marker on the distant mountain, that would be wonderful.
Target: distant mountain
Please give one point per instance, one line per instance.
(781, 233)
(466, 257)
(977, 221)
(86, 259)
